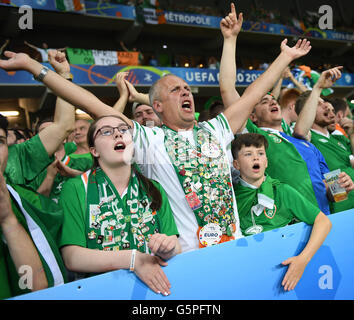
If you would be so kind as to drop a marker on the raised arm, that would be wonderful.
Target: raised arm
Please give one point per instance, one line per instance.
(277, 88)
(65, 89)
(289, 75)
(53, 136)
(230, 27)
(307, 115)
(21, 247)
(348, 125)
(135, 96)
(240, 110)
(123, 92)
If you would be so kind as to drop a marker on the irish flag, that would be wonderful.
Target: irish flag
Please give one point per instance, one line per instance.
(70, 5)
(97, 57)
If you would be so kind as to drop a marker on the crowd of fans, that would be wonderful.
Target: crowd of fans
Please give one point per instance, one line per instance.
(86, 198)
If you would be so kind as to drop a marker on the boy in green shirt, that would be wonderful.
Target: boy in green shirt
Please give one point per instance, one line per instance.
(265, 203)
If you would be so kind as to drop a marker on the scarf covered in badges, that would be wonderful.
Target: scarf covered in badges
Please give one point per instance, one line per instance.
(203, 172)
(255, 201)
(114, 224)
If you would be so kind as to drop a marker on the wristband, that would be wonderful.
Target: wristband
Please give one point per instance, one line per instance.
(132, 261)
(42, 74)
(70, 78)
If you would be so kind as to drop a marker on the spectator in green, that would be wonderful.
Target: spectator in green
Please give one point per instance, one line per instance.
(114, 217)
(316, 115)
(265, 203)
(29, 228)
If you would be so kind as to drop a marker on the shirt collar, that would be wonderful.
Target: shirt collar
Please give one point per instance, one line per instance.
(322, 134)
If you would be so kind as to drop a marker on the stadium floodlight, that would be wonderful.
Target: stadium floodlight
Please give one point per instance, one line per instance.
(9, 113)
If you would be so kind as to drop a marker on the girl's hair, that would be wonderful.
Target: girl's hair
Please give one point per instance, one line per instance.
(151, 190)
(153, 193)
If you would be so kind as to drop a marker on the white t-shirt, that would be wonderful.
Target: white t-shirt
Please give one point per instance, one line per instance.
(154, 162)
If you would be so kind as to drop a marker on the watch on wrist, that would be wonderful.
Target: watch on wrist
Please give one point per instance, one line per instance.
(42, 74)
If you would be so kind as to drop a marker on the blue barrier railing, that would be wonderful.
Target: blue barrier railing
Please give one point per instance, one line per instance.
(248, 268)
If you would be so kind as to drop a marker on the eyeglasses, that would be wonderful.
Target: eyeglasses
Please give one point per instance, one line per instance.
(108, 130)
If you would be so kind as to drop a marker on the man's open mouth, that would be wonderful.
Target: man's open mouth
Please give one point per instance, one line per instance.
(187, 106)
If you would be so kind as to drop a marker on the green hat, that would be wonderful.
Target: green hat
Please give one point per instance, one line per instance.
(211, 101)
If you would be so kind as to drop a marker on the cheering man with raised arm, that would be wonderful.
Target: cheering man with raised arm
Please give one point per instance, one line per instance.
(190, 161)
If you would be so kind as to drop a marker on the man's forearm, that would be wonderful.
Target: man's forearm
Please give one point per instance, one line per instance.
(298, 84)
(227, 76)
(23, 251)
(307, 115)
(241, 109)
(277, 88)
(73, 93)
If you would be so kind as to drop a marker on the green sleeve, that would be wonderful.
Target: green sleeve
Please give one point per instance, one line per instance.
(73, 202)
(344, 141)
(166, 219)
(299, 207)
(252, 128)
(81, 162)
(70, 147)
(26, 161)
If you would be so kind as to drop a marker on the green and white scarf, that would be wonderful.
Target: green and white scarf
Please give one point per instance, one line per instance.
(115, 224)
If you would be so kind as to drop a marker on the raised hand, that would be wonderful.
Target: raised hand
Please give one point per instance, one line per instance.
(57, 60)
(65, 170)
(121, 85)
(301, 48)
(16, 61)
(329, 77)
(133, 93)
(347, 124)
(231, 25)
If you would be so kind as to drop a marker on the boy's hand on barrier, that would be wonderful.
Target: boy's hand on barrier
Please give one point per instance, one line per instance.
(296, 266)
